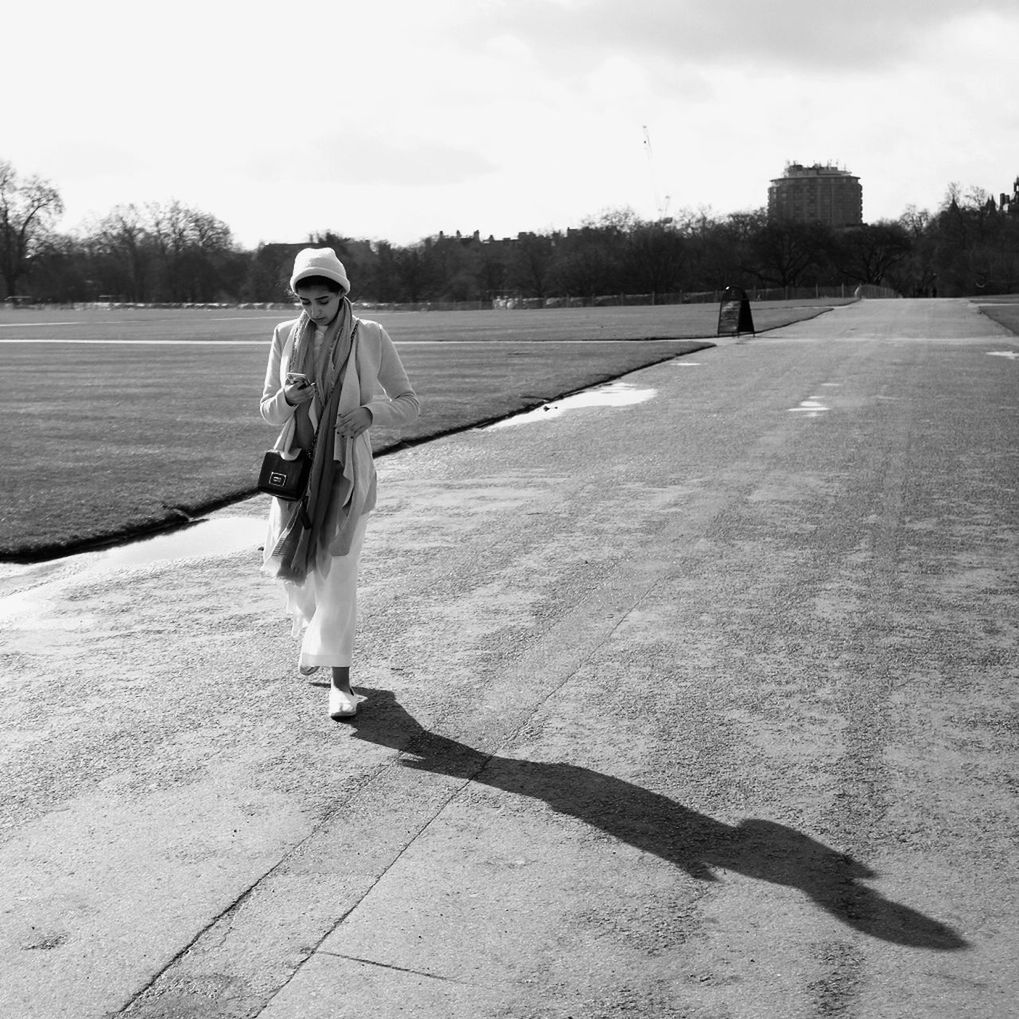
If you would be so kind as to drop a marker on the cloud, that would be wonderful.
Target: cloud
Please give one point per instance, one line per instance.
(506, 114)
(409, 163)
(360, 158)
(88, 158)
(795, 33)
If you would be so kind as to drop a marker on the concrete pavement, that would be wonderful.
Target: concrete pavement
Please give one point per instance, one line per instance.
(697, 705)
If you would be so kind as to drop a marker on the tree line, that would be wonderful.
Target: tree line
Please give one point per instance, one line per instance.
(173, 253)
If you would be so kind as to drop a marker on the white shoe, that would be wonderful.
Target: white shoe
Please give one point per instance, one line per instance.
(343, 705)
(307, 670)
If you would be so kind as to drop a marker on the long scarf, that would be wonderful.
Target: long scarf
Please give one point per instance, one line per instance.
(309, 536)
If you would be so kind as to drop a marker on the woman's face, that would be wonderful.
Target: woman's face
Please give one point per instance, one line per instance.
(320, 303)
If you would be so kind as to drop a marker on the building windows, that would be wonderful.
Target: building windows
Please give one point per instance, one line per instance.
(816, 194)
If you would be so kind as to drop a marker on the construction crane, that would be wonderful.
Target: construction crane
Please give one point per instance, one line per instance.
(660, 209)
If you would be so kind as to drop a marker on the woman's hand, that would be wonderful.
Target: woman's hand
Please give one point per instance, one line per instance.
(297, 393)
(354, 422)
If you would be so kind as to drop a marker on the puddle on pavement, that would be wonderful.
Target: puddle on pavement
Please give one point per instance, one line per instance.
(215, 536)
(613, 394)
(29, 588)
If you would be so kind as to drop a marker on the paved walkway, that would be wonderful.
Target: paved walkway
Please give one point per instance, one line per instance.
(698, 704)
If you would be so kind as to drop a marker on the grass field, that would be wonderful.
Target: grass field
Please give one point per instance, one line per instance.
(120, 422)
(1004, 310)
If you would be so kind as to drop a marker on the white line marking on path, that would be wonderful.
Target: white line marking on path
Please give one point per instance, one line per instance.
(42, 325)
(151, 343)
(812, 408)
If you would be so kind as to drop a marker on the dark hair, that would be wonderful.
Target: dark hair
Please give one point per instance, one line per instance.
(319, 281)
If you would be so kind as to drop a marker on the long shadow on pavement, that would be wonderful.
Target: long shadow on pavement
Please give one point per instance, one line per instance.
(655, 824)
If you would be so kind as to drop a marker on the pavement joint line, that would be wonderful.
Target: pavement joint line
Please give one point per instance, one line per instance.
(571, 674)
(240, 899)
(594, 647)
(232, 907)
(406, 969)
(371, 887)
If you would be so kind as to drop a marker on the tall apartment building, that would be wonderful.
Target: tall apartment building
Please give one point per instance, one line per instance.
(816, 194)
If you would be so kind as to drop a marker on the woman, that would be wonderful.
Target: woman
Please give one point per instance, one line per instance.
(331, 376)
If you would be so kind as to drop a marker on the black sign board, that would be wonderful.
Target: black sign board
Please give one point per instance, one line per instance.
(734, 313)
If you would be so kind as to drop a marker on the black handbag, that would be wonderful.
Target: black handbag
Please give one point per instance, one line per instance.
(285, 479)
(288, 479)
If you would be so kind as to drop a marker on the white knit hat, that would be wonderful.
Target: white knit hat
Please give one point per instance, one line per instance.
(319, 262)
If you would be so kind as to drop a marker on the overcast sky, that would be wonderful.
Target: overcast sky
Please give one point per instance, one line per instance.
(399, 118)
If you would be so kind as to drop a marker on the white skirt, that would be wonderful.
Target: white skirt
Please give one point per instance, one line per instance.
(324, 609)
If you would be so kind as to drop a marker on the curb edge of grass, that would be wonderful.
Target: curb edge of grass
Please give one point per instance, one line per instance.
(180, 517)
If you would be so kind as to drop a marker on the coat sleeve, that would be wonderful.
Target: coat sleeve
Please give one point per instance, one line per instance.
(398, 405)
(274, 407)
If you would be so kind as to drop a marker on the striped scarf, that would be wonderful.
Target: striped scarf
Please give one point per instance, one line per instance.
(305, 540)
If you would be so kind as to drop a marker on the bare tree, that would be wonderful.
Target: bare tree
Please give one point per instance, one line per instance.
(192, 246)
(783, 253)
(28, 208)
(531, 264)
(655, 255)
(915, 221)
(869, 252)
(122, 239)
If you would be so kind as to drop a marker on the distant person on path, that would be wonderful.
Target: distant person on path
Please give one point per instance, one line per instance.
(331, 377)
